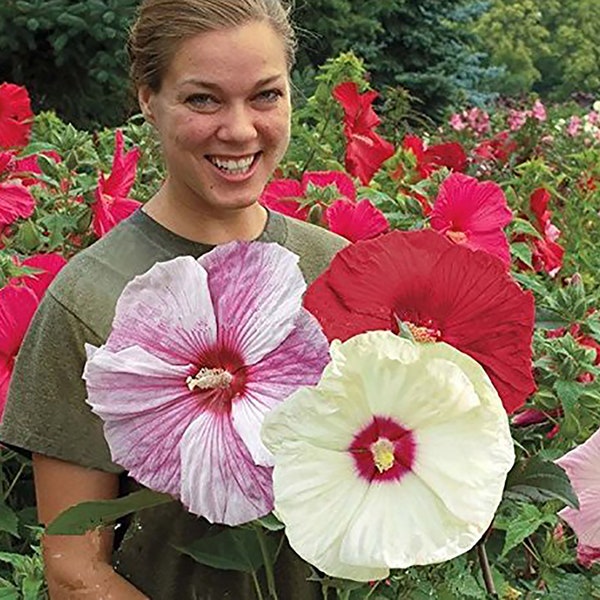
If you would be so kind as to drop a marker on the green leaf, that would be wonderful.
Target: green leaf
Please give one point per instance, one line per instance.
(546, 318)
(9, 522)
(525, 523)
(232, 550)
(90, 515)
(522, 251)
(271, 522)
(539, 480)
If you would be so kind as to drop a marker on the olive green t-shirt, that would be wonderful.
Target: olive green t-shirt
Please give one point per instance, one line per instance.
(46, 410)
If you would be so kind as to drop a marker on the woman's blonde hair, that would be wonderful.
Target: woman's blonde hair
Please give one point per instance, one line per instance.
(162, 25)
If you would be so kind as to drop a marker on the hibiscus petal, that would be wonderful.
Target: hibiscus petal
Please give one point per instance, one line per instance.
(581, 465)
(16, 202)
(298, 361)
(355, 222)
(146, 407)
(257, 293)
(171, 298)
(342, 182)
(311, 484)
(219, 479)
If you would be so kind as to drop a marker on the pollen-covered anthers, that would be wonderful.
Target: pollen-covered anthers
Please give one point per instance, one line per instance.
(422, 334)
(383, 454)
(458, 237)
(207, 379)
(233, 166)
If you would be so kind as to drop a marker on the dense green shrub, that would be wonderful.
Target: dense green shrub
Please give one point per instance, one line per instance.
(70, 55)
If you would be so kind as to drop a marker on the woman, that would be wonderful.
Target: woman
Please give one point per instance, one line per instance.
(213, 78)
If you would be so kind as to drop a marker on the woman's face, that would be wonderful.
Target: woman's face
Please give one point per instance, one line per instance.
(223, 115)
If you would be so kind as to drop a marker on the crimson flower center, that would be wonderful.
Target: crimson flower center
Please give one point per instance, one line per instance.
(384, 450)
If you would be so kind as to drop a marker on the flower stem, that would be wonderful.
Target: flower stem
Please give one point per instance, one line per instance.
(486, 571)
(259, 594)
(262, 542)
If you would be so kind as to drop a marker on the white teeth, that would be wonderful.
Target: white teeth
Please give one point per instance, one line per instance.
(234, 167)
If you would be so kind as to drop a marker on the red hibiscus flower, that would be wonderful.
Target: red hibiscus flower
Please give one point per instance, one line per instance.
(473, 213)
(360, 221)
(294, 198)
(18, 302)
(430, 159)
(112, 204)
(15, 116)
(441, 291)
(16, 200)
(498, 148)
(365, 151)
(547, 253)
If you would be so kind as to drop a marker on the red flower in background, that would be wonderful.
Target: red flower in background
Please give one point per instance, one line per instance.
(498, 148)
(430, 159)
(365, 151)
(547, 253)
(112, 204)
(16, 117)
(286, 195)
(473, 213)
(443, 292)
(360, 221)
(18, 302)
(16, 201)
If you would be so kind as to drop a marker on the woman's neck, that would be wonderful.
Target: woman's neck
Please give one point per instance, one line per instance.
(203, 224)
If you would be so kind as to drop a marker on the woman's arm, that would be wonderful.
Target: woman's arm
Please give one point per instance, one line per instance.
(77, 567)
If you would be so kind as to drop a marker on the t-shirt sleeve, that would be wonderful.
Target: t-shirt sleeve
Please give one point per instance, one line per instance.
(46, 411)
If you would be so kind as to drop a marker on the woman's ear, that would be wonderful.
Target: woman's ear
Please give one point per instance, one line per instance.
(145, 96)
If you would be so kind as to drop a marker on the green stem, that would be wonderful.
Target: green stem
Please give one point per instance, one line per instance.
(268, 566)
(314, 149)
(485, 569)
(259, 594)
(13, 482)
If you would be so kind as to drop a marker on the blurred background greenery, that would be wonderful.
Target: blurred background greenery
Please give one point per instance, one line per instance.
(444, 53)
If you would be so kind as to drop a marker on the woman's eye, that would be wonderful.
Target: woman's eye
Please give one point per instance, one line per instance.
(269, 96)
(201, 101)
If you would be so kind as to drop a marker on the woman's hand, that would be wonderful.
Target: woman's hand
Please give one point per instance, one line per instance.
(77, 566)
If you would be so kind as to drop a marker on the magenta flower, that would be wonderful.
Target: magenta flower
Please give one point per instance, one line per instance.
(18, 302)
(473, 213)
(538, 111)
(294, 198)
(581, 465)
(112, 204)
(356, 221)
(200, 350)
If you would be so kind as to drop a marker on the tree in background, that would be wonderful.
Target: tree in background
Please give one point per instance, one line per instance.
(425, 47)
(551, 47)
(70, 55)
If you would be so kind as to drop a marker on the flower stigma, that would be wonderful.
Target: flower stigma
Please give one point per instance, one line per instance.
(458, 237)
(209, 379)
(383, 454)
(423, 334)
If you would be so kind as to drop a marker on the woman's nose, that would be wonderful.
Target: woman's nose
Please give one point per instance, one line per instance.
(238, 125)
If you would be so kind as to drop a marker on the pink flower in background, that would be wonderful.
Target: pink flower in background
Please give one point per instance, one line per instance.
(18, 302)
(199, 352)
(516, 119)
(112, 204)
(538, 111)
(457, 123)
(581, 465)
(588, 555)
(366, 151)
(16, 117)
(478, 119)
(288, 196)
(574, 126)
(473, 213)
(356, 221)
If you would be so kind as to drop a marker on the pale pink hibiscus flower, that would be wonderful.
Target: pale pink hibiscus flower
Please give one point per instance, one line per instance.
(581, 465)
(18, 302)
(473, 213)
(112, 204)
(200, 350)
